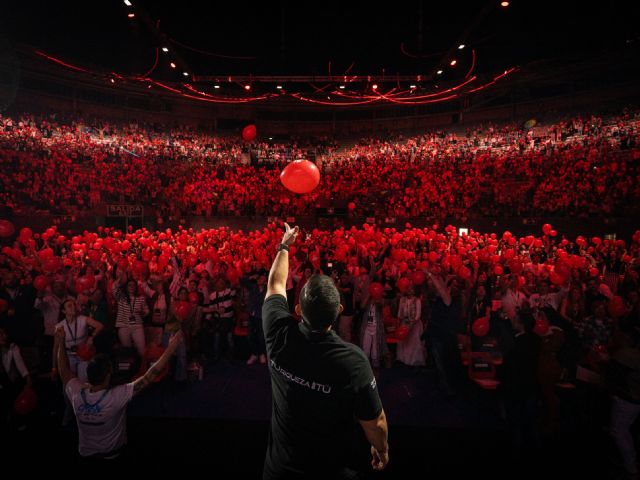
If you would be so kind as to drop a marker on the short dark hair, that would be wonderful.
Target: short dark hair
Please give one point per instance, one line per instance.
(319, 302)
(98, 369)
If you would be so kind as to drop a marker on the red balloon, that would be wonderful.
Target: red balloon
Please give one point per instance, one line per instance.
(25, 234)
(41, 282)
(553, 233)
(617, 308)
(403, 284)
(498, 270)
(6, 228)
(249, 133)
(26, 402)
(376, 290)
(546, 229)
(480, 327)
(51, 265)
(402, 332)
(86, 352)
(93, 255)
(300, 176)
(594, 272)
(464, 273)
(182, 310)
(351, 206)
(86, 282)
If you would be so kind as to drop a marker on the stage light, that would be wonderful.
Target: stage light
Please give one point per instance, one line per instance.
(216, 86)
(186, 74)
(342, 87)
(247, 87)
(279, 87)
(127, 3)
(412, 86)
(131, 15)
(113, 81)
(374, 86)
(439, 72)
(172, 65)
(165, 49)
(463, 231)
(453, 63)
(461, 46)
(504, 4)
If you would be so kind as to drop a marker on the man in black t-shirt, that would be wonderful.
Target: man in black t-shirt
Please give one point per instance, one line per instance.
(321, 385)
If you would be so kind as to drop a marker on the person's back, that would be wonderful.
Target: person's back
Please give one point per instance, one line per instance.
(321, 385)
(101, 417)
(318, 382)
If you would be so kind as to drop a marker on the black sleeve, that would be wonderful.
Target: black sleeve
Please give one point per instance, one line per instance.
(367, 403)
(275, 315)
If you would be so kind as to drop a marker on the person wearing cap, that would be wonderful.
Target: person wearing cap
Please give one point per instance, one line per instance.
(320, 383)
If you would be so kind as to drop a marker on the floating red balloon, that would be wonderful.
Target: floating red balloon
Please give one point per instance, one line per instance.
(6, 228)
(418, 277)
(403, 284)
(249, 133)
(546, 229)
(300, 176)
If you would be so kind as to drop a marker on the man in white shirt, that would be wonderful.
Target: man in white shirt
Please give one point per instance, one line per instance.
(101, 409)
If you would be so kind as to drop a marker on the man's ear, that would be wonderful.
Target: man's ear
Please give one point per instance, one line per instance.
(298, 310)
(341, 309)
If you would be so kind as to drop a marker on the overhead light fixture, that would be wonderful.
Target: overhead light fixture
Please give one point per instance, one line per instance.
(453, 62)
(216, 86)
(131, 15)
(186, 74)
(172, 65)
(247, 87)
(374, 86)
(342, 87)
(412, 86)
(165, 49)
(439, 72)
(279, 87)
(127, 3)
(113, 81)
(504, 4)
(461, 46)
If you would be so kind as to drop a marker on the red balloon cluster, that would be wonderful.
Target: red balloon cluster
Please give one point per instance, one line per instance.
(300, 176)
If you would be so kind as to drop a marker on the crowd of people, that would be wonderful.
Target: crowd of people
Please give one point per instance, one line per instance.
(408, 296)
(580, 167)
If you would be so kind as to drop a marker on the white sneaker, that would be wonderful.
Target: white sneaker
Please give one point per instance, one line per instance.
(252, 359)
(263, 358)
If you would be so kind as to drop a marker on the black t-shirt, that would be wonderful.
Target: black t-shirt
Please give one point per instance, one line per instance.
(321, 385)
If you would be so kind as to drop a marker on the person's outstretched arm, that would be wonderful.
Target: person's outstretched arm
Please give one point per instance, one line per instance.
(62, 360)
(277, 283)
(157, 368)
(376, 431)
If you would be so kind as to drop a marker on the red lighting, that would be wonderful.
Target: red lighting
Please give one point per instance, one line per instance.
(453, 63)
